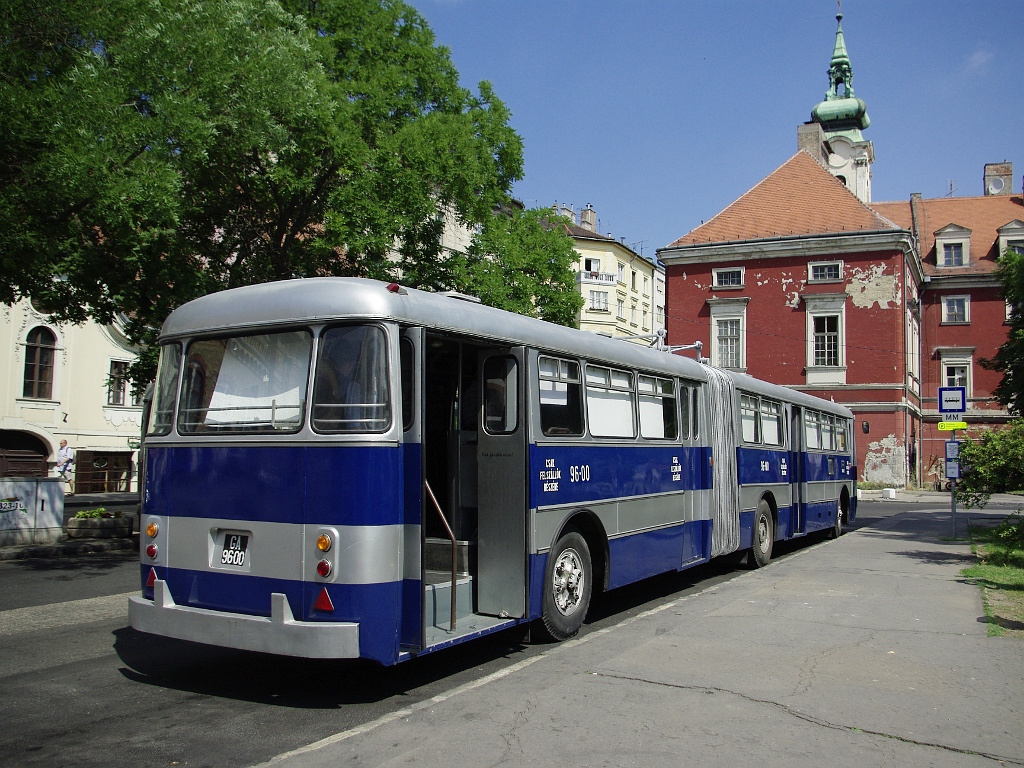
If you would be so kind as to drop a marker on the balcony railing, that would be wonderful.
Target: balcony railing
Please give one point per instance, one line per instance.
(600, 278)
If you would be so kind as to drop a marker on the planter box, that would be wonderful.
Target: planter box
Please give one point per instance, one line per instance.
(99, 527)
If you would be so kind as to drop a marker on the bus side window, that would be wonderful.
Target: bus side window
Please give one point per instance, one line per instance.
(657, 399)
(696, 413)
(501, 411)
(812, 439)
(684, 412)
(408, 396)
(750, 419)
(772, 427)
(561, 407)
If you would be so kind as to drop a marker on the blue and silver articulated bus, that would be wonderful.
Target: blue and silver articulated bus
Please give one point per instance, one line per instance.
(345, 468)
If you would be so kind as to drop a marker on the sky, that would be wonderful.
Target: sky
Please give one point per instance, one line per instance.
(660, 113)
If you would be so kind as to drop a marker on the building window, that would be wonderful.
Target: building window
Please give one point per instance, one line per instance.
(953, 255)
(956, 309)
(646, 291)
(825, 272)
(956, 374)
(117, 382)
(826, 340)
(953, 246)
(622, 273)
(591, 265)
(643, 319)
(599, 300)
(728, 332)
(728, 278)
(633, 279)
(728, 337)
(40, 349)
(620, 309)
(632, 314)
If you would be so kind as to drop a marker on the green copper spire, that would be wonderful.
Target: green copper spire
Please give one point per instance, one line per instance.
(841, 112)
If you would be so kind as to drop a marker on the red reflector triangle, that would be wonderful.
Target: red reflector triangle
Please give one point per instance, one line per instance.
(323, 602)
(152, 577)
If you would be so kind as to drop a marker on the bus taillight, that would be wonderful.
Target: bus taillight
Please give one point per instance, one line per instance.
(324, 568)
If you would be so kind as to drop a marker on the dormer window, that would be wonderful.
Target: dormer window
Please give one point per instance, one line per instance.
(953, 246)
(1011, 237)
(952, 254)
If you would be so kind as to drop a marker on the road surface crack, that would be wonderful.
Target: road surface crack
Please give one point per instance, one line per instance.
(816, 720)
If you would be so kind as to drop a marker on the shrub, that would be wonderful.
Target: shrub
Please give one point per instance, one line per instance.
(99, 512)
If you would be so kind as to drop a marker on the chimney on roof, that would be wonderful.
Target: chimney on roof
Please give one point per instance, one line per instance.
(998, 178)
(565, 211)
(588, 218)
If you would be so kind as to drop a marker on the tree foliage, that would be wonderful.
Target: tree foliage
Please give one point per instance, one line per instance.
(522, 263)
(1010, 357)
(157, 150)
(993, 463)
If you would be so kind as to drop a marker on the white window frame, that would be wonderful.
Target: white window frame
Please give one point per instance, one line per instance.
(946, 315)
(824, 264)
(1011, 235)
(951, 235)
(591, 264)
(718, 272)
(598, 301)
(826, 305)
(729, 309)
(957, 357)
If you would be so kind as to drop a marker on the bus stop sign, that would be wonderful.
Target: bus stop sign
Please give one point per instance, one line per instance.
(952, 399)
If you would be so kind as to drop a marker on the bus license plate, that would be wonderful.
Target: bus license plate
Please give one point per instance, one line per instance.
(234, 549)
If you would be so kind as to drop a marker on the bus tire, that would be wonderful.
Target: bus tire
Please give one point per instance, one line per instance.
(568, 584)
(837, 529)
(764, 535)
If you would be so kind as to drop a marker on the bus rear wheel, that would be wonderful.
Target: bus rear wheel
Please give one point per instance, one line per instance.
(764, 535)
(837, 528)
(568, 583)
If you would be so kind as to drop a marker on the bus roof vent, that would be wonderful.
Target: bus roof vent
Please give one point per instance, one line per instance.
(460, 296)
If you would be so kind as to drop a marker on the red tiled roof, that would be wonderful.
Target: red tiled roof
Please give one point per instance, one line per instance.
(982, 215)
(798, 198)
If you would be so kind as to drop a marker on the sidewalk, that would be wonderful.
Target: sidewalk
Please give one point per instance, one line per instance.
(867, 650)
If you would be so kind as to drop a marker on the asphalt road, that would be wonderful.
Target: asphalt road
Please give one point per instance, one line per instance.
(82, 687)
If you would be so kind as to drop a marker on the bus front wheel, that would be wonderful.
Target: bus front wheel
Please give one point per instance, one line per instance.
(764, 535)
(568, 584)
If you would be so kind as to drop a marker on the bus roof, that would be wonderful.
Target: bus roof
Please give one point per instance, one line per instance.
(329, 299)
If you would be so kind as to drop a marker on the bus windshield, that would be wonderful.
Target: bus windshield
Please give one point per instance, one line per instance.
(245, 383)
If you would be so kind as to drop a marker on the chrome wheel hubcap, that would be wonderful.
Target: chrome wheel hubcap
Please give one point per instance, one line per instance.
(567, 582)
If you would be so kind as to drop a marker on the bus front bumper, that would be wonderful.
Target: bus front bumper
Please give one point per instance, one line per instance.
(279, 633)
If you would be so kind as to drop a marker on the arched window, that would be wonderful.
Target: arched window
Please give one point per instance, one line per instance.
(39, 353)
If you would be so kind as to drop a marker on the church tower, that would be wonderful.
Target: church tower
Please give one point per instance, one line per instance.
(833, 135)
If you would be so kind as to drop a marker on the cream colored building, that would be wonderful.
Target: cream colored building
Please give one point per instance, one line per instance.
(623, 292)
(67, 382)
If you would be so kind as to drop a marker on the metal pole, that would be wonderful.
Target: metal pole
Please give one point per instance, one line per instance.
(952, 493)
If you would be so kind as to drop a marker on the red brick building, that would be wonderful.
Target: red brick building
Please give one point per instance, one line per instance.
(803, 281)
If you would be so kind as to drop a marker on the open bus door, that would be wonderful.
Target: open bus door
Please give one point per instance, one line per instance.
(411, 351)
(502, 483)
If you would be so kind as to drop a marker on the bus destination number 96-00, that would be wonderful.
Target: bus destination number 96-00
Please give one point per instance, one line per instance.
(579, 474)
(234, 549)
